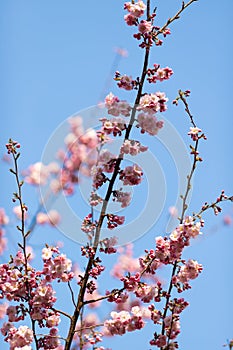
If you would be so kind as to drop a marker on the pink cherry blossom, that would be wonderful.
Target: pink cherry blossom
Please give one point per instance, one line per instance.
(149, 123)
(130, 20)
(194, 133)
(190, 270)
(4, 220)
(116, 107)
(113, 126)
(98, 176)
(107, 161)
(144, 26)
(126, 82)
(153, 103)
(114, 221)
(132, 147)
(158, 74)
(19, 337)
(131, 175)
(122, 197)
(37, 174)
(107, 245)
(136, 9)
(12, 146)
(95, 199)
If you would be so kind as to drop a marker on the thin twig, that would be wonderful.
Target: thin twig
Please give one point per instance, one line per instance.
(72, 294)
(61, 312)
(175, 17)
(89, 327)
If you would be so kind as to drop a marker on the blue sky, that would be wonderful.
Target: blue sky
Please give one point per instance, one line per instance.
(55, 60)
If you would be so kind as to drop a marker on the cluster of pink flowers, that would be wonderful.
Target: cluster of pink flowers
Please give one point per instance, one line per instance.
(107, 161)
(77, 159)
(136, 10)
(149, 123)
(171, 323)
(123, 321)
(113, 126)
(52, 218)
(126, 262)
(98, 177)
(37, 174)
(31, 292)
(116, 107)
(95, 199)
(12, 146)
(189, 271)
(144, 27)
(21, 283)
(132, 147)
(19, 338)
(122, 197)
(88, 226)
(114, 221)
(50, 341)
(96, 270)
(56, 265)
(107, 245)
(125, 82)
(194, 133)
(158, 74)
(131, 175)
(153, 103)
(170, 249)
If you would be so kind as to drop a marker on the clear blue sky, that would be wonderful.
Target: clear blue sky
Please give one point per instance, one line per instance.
(55, 59)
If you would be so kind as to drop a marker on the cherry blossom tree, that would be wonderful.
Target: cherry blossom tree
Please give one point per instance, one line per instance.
(31, 316)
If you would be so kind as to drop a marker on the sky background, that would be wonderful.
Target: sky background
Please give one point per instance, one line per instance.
(56, 59)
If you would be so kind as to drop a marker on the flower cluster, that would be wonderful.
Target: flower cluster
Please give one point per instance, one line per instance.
(131, 175)
(158, 74)
(194, 133)
(149, 123)
(123, 321)
(125, 82)
(132, 147)
(189, 271)
(122, 197)
(31, 293)
(78, 157)
(95, 199)
(170, 249)
(21, 283)
(52, 218)
(19, 338)
(56, 265)
(50, 341)
(37, 174)
(136, 10)
(113, 126)
(107, 161)
(114, 221)
(12, 146)
(153, 103)
(116, 107)
(107, 245)
(88, 226)
(98, 177)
